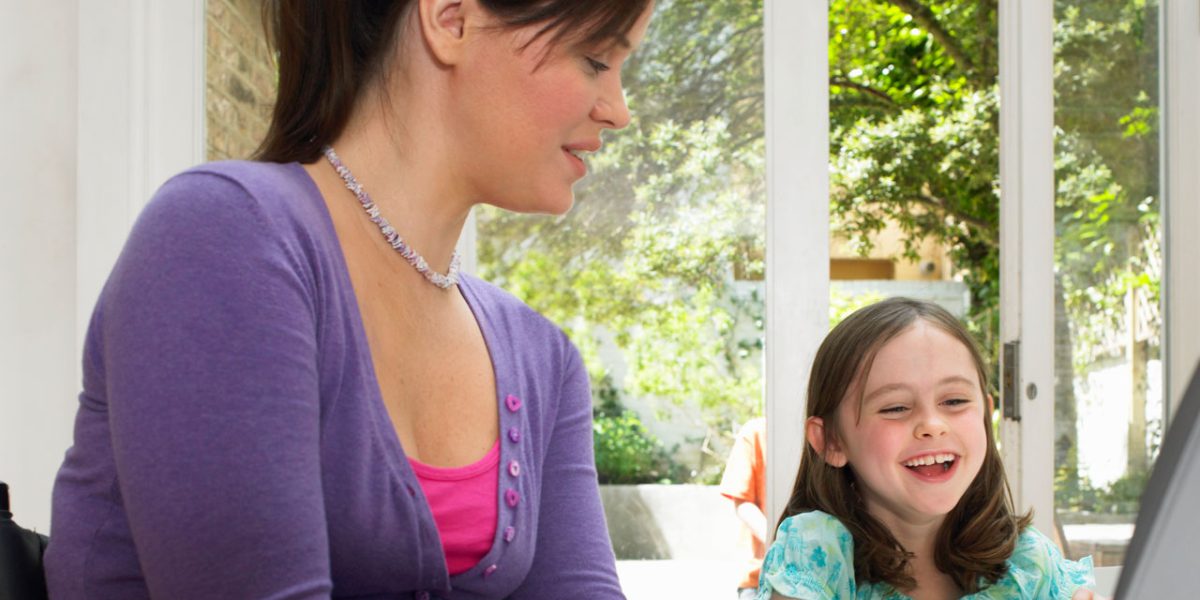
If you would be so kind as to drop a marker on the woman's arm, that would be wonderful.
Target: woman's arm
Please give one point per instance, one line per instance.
(210, 358)
(574, 557)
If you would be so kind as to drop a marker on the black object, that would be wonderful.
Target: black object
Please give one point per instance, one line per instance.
(1162, 556)
(21, 574)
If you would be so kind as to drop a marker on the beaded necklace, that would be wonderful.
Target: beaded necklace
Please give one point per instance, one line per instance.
(416, 260)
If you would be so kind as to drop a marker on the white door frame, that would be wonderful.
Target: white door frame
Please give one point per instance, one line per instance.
(1027, 226)
(1027, 249)
(796, 68)
(1180, 127)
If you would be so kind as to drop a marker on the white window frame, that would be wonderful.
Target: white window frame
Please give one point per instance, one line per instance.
(141, 120)
(796, 68)
(1027, 248)
(1027, 225)
(1180, 127)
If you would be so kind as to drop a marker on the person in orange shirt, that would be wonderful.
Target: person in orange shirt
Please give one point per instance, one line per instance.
(745, 483)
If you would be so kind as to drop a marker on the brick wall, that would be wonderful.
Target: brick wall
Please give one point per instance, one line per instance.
(240, 78)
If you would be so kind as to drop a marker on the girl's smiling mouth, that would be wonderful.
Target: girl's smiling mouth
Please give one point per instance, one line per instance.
(934, 467)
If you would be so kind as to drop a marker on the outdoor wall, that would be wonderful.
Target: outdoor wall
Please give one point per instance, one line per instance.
(39, 75)
(240, 78)
(933, 264)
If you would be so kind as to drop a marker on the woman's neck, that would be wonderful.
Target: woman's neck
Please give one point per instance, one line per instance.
(406, 174)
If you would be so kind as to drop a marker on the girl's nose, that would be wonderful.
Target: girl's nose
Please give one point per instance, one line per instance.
(930, 425)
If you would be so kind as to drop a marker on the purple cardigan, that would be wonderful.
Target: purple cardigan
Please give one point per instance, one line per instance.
(231, 441)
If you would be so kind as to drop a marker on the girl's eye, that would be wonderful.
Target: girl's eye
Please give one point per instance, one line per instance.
(894, 410)
(957, 401)
(597, 66)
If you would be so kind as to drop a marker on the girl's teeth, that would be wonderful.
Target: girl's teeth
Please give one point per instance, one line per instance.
(929, 460)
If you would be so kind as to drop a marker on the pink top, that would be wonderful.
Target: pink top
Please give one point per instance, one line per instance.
(465, 505)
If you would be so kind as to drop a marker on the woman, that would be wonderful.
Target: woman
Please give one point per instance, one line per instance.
(289, 390)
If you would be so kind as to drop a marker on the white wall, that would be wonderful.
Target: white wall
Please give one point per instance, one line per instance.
(100, 102)
(38, 102)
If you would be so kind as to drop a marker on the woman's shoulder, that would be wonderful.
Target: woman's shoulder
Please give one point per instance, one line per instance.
(251, 174)
(1037, 569)
(258, 200)
(236, 189)
(272, 187)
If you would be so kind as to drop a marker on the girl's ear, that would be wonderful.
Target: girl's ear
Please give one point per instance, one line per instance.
(444, 26)
(827, 447)
(991, 405)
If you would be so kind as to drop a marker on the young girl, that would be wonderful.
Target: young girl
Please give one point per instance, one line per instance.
(901, 492)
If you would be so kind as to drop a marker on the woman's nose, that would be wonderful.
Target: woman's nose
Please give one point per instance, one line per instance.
(611, 110)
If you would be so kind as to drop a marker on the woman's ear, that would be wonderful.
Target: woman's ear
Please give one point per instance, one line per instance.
(444, 26)
(825, 446)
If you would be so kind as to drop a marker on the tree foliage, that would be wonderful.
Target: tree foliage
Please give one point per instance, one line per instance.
(676, 204)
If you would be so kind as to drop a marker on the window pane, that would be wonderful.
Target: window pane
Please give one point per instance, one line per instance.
(657, 275)
(914, 150)
(1108, 265)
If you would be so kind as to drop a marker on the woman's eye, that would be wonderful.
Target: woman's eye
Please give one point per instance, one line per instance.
(597, 66)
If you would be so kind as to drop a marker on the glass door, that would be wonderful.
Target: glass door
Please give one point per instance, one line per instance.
(1083, 265)
(1108, 265)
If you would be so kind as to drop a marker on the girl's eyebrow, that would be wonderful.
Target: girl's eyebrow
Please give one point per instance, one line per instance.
(893, 387)
(885, 389)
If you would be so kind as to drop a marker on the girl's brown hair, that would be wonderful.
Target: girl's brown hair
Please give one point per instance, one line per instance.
(978, 535)
(329, 50)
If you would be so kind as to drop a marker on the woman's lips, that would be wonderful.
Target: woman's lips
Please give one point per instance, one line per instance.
(576, 162)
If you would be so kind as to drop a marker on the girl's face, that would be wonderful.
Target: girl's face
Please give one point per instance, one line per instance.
(920, 439)
(531, 116)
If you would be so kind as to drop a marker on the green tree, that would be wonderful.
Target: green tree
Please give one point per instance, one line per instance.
(675, 204)
(915, 143)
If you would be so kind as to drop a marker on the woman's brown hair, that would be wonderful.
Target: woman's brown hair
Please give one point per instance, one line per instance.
(978, 535)
(329, 50)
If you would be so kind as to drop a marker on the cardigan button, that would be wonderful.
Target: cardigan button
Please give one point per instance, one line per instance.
(513, 403)
(488, 571)
(514, 435)
(514, 469)
(511, 497)
(510, 533)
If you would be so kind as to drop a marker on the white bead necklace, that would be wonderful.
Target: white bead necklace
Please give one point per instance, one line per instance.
(416, 260)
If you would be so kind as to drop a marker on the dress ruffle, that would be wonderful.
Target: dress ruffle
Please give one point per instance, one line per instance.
(813, 558)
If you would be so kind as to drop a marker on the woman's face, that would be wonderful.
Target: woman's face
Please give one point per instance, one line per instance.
(528, 116)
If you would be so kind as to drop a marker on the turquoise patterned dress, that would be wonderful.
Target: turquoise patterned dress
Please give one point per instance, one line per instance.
(813, 559)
